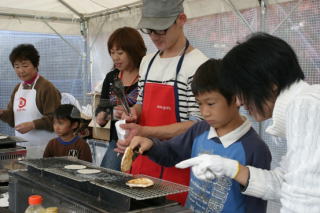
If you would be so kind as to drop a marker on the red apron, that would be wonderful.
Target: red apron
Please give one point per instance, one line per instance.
(161, 107)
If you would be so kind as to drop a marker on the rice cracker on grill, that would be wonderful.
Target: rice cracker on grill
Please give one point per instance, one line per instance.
(140, 182)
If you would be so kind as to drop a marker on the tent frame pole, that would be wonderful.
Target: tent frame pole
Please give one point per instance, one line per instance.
(98, 33)
(286, 18)
(71, 8)
(85, 58)
(48, 18)
(237, 12)
(86, 62)
(263, 15)
(115, 10)
(65, 40)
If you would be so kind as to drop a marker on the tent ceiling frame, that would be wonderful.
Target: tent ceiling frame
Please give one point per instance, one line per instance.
(48, 18)
(286, 18)
(65, 40)
(263, 11)
(81, 16)
(121, 8)
(237, 12)
(71, 8)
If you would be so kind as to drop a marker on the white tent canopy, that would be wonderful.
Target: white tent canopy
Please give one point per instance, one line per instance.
(62, 15)
(65, 15)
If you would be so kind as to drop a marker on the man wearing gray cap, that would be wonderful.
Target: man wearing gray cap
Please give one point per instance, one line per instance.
(166, 106)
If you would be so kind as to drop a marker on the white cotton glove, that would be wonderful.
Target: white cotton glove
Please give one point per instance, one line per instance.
(121, 132)
(207, 167)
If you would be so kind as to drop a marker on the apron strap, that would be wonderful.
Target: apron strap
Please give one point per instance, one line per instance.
(176, 94)
(147, 73)
(149, 66)
(35, 81)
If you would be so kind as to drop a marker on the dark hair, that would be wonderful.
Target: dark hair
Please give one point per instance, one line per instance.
(130, 41)
(258, 69)
(206, 79)
(25, 52)
(67, 111)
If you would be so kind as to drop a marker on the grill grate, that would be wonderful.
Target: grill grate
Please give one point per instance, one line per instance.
(159, 189)
(105, 174)
(55, 162)
(11, 139)
(107, 178)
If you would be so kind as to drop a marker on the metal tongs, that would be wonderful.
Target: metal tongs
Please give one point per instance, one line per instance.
(118, 90)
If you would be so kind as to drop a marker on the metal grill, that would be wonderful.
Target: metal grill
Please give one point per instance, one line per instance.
(9, 160)
(159, 189)
(105, 174)
(109, 179)
(56, 162)
(116, 181)
(12, 153)
(11, 139)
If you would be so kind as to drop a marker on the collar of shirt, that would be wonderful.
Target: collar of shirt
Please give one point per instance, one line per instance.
(32, 80)
(232, 136)
(75, 139)
(278, 126)
(29, 84)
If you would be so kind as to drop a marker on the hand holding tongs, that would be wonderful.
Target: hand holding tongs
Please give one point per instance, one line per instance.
(118, 90)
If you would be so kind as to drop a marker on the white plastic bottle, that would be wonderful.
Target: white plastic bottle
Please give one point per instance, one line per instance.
(35, 204)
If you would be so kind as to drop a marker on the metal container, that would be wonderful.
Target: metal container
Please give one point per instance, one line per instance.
(9, 160)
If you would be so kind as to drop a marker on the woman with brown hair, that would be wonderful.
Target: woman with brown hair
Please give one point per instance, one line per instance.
(126, 48)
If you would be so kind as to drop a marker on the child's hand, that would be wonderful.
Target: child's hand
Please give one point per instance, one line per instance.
(141, 143)
(207, 167)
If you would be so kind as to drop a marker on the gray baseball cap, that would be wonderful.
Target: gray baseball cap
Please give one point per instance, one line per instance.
(160, 14)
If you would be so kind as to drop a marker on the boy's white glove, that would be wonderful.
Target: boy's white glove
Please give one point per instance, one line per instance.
(121, 132)
(207, 167)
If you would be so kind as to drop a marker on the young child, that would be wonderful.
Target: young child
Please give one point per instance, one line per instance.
(67, 143)
(223, 132)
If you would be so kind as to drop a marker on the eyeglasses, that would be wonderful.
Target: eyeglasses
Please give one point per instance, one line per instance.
(157, 32)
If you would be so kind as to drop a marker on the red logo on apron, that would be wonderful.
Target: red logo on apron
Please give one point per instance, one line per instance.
(22, 102)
